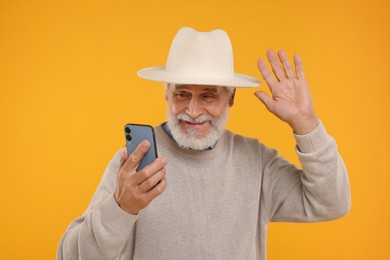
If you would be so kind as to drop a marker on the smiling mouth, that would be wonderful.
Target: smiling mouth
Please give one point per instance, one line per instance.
(194, 124)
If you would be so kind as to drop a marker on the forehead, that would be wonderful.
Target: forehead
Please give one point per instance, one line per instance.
(201, 88)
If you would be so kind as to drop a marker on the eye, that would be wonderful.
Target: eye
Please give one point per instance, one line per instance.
(181, 95)
(208, 97)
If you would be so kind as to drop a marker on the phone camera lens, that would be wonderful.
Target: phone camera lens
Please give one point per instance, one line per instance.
(128, 130)
(128, 137)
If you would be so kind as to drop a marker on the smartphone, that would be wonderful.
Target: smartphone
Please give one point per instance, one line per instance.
(135, 134)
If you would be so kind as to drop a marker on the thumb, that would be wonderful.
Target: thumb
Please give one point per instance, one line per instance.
(265, 99)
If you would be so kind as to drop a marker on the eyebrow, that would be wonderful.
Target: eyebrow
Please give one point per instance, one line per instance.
(183, 87)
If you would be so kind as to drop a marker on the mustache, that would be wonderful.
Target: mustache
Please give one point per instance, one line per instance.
(198, 120)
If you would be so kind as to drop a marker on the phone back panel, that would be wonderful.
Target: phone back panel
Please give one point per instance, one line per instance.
(137, 134)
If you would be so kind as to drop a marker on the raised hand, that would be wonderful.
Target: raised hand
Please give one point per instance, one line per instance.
(291, 99)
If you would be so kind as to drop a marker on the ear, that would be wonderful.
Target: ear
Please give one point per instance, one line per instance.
(166, 90)
(231, 99)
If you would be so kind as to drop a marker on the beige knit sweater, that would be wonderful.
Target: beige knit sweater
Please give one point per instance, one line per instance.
(217, 204)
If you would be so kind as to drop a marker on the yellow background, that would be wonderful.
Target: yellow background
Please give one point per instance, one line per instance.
(68, 85)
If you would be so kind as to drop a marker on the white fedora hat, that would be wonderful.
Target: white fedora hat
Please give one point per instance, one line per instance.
(201, 58)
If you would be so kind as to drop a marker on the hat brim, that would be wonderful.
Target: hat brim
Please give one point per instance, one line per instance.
(161, 75)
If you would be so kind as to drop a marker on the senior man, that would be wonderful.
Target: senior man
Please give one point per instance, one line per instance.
(212, 192)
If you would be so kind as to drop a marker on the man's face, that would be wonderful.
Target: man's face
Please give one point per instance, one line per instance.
(197, 114)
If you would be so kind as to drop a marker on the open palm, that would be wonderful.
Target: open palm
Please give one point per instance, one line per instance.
(291, 99)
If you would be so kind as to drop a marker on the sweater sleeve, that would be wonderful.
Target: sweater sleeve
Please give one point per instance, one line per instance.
(318, 192)
(104, 230)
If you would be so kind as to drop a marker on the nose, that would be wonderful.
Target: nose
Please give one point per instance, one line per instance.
(194, 108)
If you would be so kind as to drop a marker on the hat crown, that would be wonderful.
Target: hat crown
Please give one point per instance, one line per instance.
(201, 54)
(199, 58)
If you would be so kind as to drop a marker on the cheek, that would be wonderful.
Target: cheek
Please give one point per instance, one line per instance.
(216, 111)
(175, 108)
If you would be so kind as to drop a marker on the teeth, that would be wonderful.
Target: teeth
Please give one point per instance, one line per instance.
(195, 123)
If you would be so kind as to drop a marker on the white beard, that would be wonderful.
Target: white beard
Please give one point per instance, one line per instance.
(190, 139)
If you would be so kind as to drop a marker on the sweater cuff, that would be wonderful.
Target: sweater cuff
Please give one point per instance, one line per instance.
(116, 217)
(312, 141)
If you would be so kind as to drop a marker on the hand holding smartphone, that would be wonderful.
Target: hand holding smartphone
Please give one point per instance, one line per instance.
(134, 191)
(135, 134)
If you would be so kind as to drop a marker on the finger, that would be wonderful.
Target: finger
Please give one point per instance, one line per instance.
(266, 74)
(286, 64)
(299, 67)
(149, 183)
(123, 156)
(134, 158)
(150, 170)
(277, 69)
(157, 190)
(265, 99)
